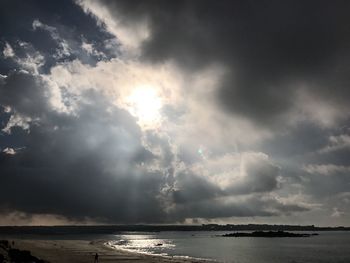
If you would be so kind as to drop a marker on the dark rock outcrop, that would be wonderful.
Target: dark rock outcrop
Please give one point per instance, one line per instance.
(13, 255)
(269, 234)
(23, 256)
(4, 244)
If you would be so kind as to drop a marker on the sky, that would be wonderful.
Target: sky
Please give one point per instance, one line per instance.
(174, 112)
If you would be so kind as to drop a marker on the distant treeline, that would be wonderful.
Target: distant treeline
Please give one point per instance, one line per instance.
(114, 229)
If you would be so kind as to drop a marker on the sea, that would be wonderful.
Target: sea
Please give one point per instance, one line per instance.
(327, 247)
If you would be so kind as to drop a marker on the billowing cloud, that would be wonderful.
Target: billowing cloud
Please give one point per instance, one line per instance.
(271, 50)
(325, 169)
(239, 111)
(8, 51)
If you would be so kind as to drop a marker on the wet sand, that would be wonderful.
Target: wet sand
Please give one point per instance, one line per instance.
(83, 251)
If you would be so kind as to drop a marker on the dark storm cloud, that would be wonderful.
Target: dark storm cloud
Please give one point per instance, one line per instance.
(248, 207)
(90, 165)
(299, 140)
(194, 188)
(93, 164)
(269, 47)
(25, 93)
(324, 181)
(258, 175)
(97, 162)
(83, 165)
(64, 17)
(281, 57)
(216, 208)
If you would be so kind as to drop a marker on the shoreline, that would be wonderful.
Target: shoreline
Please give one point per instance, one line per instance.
(82, 251)
(172, 258)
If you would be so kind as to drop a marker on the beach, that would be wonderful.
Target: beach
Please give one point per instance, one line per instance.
(83, 251)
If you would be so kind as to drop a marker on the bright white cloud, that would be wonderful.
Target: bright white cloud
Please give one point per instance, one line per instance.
(8, 51)
(130, 35)
(17, 120)
(326, 169)
(9, 151)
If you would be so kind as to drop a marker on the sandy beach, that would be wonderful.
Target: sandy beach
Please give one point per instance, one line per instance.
(83, 251)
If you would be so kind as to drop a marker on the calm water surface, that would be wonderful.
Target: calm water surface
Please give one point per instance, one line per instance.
(328, 247)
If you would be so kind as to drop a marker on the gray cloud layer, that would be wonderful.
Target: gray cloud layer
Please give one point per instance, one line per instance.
(69, 165)
(269, 47)
(90, 165)
(73, 151)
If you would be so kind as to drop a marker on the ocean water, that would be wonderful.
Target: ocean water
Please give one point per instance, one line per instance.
(328, 247)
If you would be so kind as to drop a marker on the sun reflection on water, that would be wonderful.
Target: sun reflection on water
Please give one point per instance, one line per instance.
(142, 243)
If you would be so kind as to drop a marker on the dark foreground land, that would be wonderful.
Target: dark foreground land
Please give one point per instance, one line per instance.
(268, 234)
(77, 251)
(10, 254)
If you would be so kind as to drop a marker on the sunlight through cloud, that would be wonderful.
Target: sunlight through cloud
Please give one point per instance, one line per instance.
(145, 103)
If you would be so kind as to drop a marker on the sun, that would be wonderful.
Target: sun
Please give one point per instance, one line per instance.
(145, 103)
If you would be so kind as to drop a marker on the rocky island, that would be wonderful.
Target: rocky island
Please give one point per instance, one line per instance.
(269, 234)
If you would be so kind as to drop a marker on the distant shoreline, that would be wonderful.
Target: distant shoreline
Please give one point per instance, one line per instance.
(268, 234)
(111, 229)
